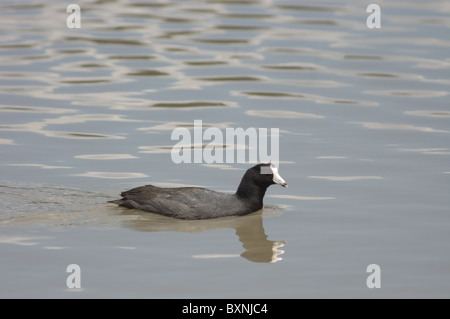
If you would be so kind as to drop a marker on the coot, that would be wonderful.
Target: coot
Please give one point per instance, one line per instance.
(201, 203)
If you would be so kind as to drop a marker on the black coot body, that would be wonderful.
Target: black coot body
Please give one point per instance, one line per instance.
(201, 203)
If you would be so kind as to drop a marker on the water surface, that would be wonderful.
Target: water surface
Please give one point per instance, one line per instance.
(364, 125)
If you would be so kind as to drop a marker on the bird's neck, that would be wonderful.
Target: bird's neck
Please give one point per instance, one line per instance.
(252, 193)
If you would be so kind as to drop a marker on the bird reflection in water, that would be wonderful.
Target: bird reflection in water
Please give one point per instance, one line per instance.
(249, 229)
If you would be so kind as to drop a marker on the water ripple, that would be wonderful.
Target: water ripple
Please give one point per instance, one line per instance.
(441, 114)
(112, 175)
(346, 178)
(399, 127)
(283, 114)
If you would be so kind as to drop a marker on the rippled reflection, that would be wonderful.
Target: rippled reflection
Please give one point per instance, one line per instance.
(283, 114)
(105, 156)
(249, 229)
(433, 151)
(113, 175)
(429, 113)
(401, 127)
(346, 178)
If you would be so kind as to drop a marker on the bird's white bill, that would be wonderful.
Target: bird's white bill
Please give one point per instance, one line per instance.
(277, 179)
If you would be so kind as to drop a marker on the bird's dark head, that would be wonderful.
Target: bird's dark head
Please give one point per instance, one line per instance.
(255, 182)
(266, 174)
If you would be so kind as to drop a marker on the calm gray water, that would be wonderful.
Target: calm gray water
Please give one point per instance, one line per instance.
(364, 119)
